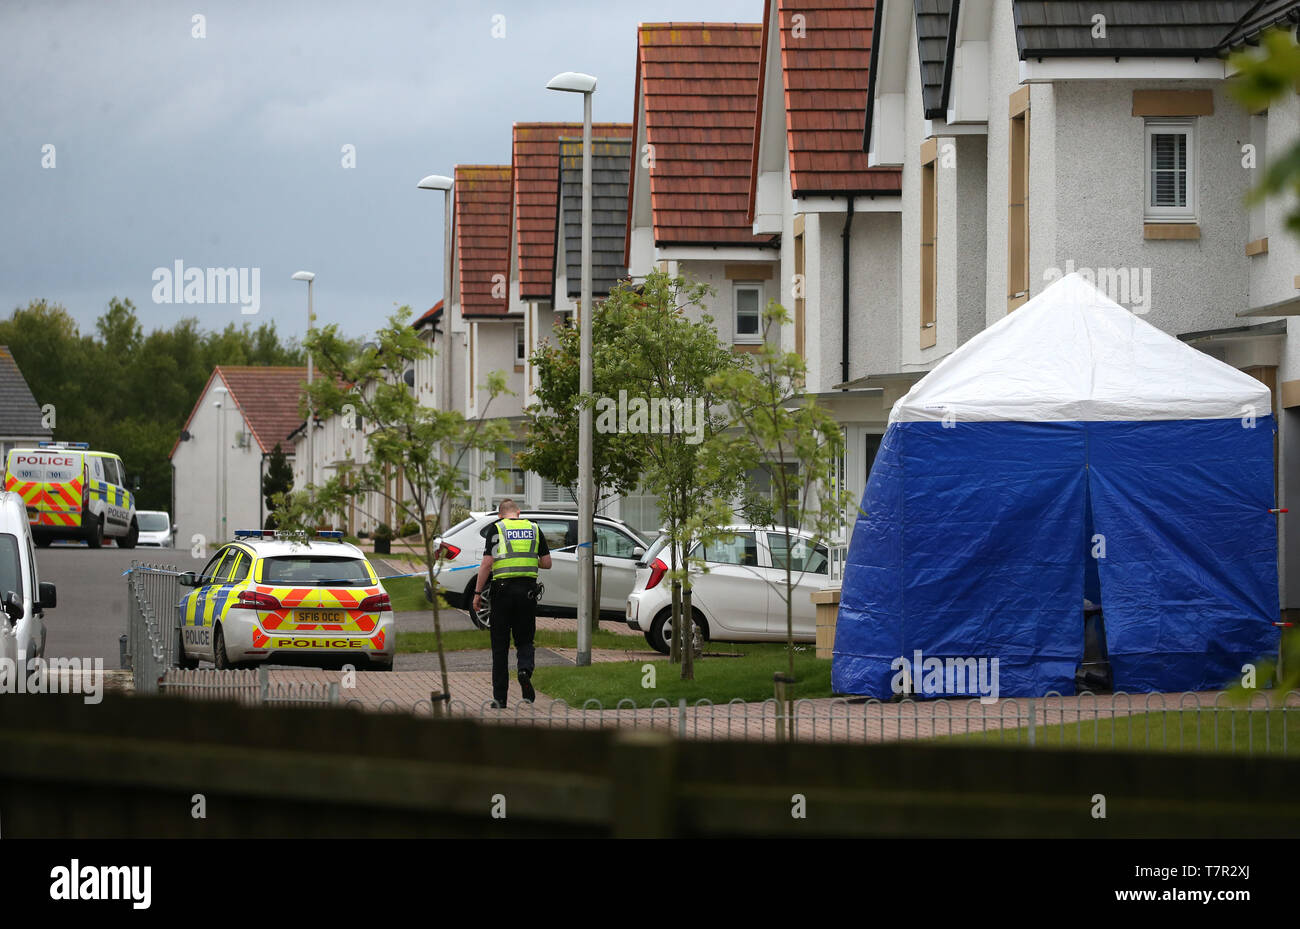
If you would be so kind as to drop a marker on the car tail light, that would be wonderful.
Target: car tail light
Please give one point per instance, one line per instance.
(252, 600)
(378, 603)
(657, 571)
(448, 551)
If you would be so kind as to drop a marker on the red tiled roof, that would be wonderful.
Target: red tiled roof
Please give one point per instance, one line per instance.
(428, 316)
(267, 398)
(698, 86)
(483, 238)
(536, 157)
(824, 79)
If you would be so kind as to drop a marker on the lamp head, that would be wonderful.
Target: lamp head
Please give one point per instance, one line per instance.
(573, 82)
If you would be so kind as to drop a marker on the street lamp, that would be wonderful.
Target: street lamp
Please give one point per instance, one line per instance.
(443, 183)
(310, 470)
(585, 84)
(220, 404)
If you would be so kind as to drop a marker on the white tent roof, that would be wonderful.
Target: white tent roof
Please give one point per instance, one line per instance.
(1073, 354)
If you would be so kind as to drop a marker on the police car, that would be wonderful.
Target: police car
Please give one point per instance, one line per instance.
(71, 492)
(287, 598)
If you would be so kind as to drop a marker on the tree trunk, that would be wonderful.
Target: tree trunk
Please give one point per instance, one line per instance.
(688, 635)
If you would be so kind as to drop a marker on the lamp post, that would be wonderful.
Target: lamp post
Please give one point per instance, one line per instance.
(585, 84)
(310, 470)
(220, 404)
(444, 183)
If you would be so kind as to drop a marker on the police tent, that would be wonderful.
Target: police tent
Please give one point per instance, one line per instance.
(1070, 450)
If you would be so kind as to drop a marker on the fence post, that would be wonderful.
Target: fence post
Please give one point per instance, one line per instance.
(1032, 739)
(644, 802)
(681, 718)
(263, 684)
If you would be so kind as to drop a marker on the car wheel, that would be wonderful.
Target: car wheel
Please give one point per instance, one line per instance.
(95, 539)
(131, 538)
(659, 635)
(376, 666)
(219, 657)
(474, 617)
(42, 543)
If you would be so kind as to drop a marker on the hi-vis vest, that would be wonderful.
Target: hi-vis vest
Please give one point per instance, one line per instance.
(516, 551)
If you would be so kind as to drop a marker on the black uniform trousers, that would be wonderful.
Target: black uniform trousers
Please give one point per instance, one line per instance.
(513, 613)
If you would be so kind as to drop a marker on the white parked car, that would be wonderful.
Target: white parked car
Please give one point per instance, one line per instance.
(617, 547)
(155, 529)
(23, 598)
(741, 597)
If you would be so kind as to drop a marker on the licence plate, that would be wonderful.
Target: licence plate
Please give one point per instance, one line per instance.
(320, 617)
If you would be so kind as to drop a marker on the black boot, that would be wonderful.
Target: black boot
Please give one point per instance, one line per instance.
(526, 685)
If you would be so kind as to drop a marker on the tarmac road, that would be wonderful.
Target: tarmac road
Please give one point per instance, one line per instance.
(91, 614)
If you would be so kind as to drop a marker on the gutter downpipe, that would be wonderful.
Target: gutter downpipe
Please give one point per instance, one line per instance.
(844, 300)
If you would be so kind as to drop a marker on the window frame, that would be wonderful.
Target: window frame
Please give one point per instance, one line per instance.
(521, 344)
(1168, 125)
(736, 336)
(929, 250)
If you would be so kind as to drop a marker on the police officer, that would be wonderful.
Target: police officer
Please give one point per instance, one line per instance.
(513, 550)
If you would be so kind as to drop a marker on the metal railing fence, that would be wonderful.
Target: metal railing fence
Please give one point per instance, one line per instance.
(152, 624)
(247, 686)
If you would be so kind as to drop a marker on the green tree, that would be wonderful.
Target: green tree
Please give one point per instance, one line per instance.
(126, 392)
(670, 360)
(781, 431)
(403, 440)
(552, 450)
(277, 481)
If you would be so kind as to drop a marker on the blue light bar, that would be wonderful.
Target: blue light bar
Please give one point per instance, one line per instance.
(254, 533)
(330, 534)
(63, 445)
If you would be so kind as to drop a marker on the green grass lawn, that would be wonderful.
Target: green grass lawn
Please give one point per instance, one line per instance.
(462, 639)
(1236, 731)
(407, 594)
(717, 678)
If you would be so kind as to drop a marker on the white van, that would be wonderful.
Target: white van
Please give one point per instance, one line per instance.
(71, 492)
(23, 598)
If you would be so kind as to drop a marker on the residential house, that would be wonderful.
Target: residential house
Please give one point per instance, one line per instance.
(695, 94)
(22, 421)
(838, 219)
(241, 414)
(1036, 137)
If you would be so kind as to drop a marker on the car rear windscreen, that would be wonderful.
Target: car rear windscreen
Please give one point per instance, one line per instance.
(314, 570)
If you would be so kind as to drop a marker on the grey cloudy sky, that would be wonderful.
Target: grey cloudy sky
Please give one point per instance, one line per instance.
(226, 151)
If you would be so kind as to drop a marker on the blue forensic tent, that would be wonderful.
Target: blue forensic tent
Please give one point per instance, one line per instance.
(1070, 448)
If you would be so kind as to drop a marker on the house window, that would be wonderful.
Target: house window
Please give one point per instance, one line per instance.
(929, 235)
(520, 347)
(510, 477)
(1171, 170)
(748, 300)
(1018, 201)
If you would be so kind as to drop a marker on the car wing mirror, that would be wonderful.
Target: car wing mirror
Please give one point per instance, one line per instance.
(188, 579)
(638, 552)
(49, 596)
(13, 605)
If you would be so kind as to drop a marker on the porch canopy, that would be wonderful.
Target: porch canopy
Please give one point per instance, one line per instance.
(1070, 449)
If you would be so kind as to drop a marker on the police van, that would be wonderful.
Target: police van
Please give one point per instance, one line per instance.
(72, 492)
